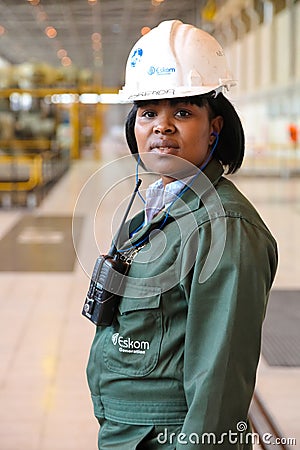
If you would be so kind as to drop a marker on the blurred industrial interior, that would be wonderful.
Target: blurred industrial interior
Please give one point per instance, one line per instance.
(61, 64)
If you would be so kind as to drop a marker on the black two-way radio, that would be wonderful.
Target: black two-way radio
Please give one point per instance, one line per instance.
(107, 280)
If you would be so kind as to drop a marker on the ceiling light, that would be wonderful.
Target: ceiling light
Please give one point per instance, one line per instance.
(2, 30)
(61, 53)
(145, 30)
(34, 2)
(96, 37)
(109, 99)
(51, 32)
(66, 61)
(63, 98)
(89, 98)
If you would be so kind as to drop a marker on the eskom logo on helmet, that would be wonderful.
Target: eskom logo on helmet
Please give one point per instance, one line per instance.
(127, 345)
(136, 56)
(161, 70)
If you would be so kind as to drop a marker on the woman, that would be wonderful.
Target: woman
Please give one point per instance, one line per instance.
(176, 369)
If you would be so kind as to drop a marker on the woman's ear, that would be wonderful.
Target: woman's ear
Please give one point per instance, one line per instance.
(216, 124)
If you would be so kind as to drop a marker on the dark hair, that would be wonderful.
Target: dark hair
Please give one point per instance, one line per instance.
(231, 145)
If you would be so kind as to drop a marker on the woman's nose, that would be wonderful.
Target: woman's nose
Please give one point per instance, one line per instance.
(163, 126)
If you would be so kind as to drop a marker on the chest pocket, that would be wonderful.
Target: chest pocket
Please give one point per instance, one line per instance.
(132, 348)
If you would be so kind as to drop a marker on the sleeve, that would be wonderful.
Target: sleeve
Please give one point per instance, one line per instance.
(223, 334)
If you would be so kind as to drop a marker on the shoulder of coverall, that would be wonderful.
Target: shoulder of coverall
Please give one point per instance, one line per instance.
(213, 195)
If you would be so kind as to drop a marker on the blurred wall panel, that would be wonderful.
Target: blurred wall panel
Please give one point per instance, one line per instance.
(265, 55)
(252, 60)
(282, 55)
(297, 42)
(233, 54)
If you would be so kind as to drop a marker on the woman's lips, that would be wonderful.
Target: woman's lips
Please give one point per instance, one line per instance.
(166, 146)
(163, 150)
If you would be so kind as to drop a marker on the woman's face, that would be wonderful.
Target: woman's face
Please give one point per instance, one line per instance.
(164, 131)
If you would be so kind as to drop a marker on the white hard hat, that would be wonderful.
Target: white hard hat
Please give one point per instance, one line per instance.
(175, 60)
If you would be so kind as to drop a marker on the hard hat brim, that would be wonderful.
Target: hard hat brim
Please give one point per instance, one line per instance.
(128, 96)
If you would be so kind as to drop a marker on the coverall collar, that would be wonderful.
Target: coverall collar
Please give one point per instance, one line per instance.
(190, 200)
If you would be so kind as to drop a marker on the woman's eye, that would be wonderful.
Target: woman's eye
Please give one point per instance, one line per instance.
(183, 113)
(148, 114)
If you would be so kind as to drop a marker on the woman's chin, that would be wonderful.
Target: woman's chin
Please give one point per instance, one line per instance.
(168, 165)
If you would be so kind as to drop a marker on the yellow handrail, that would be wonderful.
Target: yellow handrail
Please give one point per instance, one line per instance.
(35, 164)
(25, 144)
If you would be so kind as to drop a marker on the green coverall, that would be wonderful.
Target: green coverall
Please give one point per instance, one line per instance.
(177, 368)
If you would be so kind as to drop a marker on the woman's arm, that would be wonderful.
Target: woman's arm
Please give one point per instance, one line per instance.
(223, 333)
